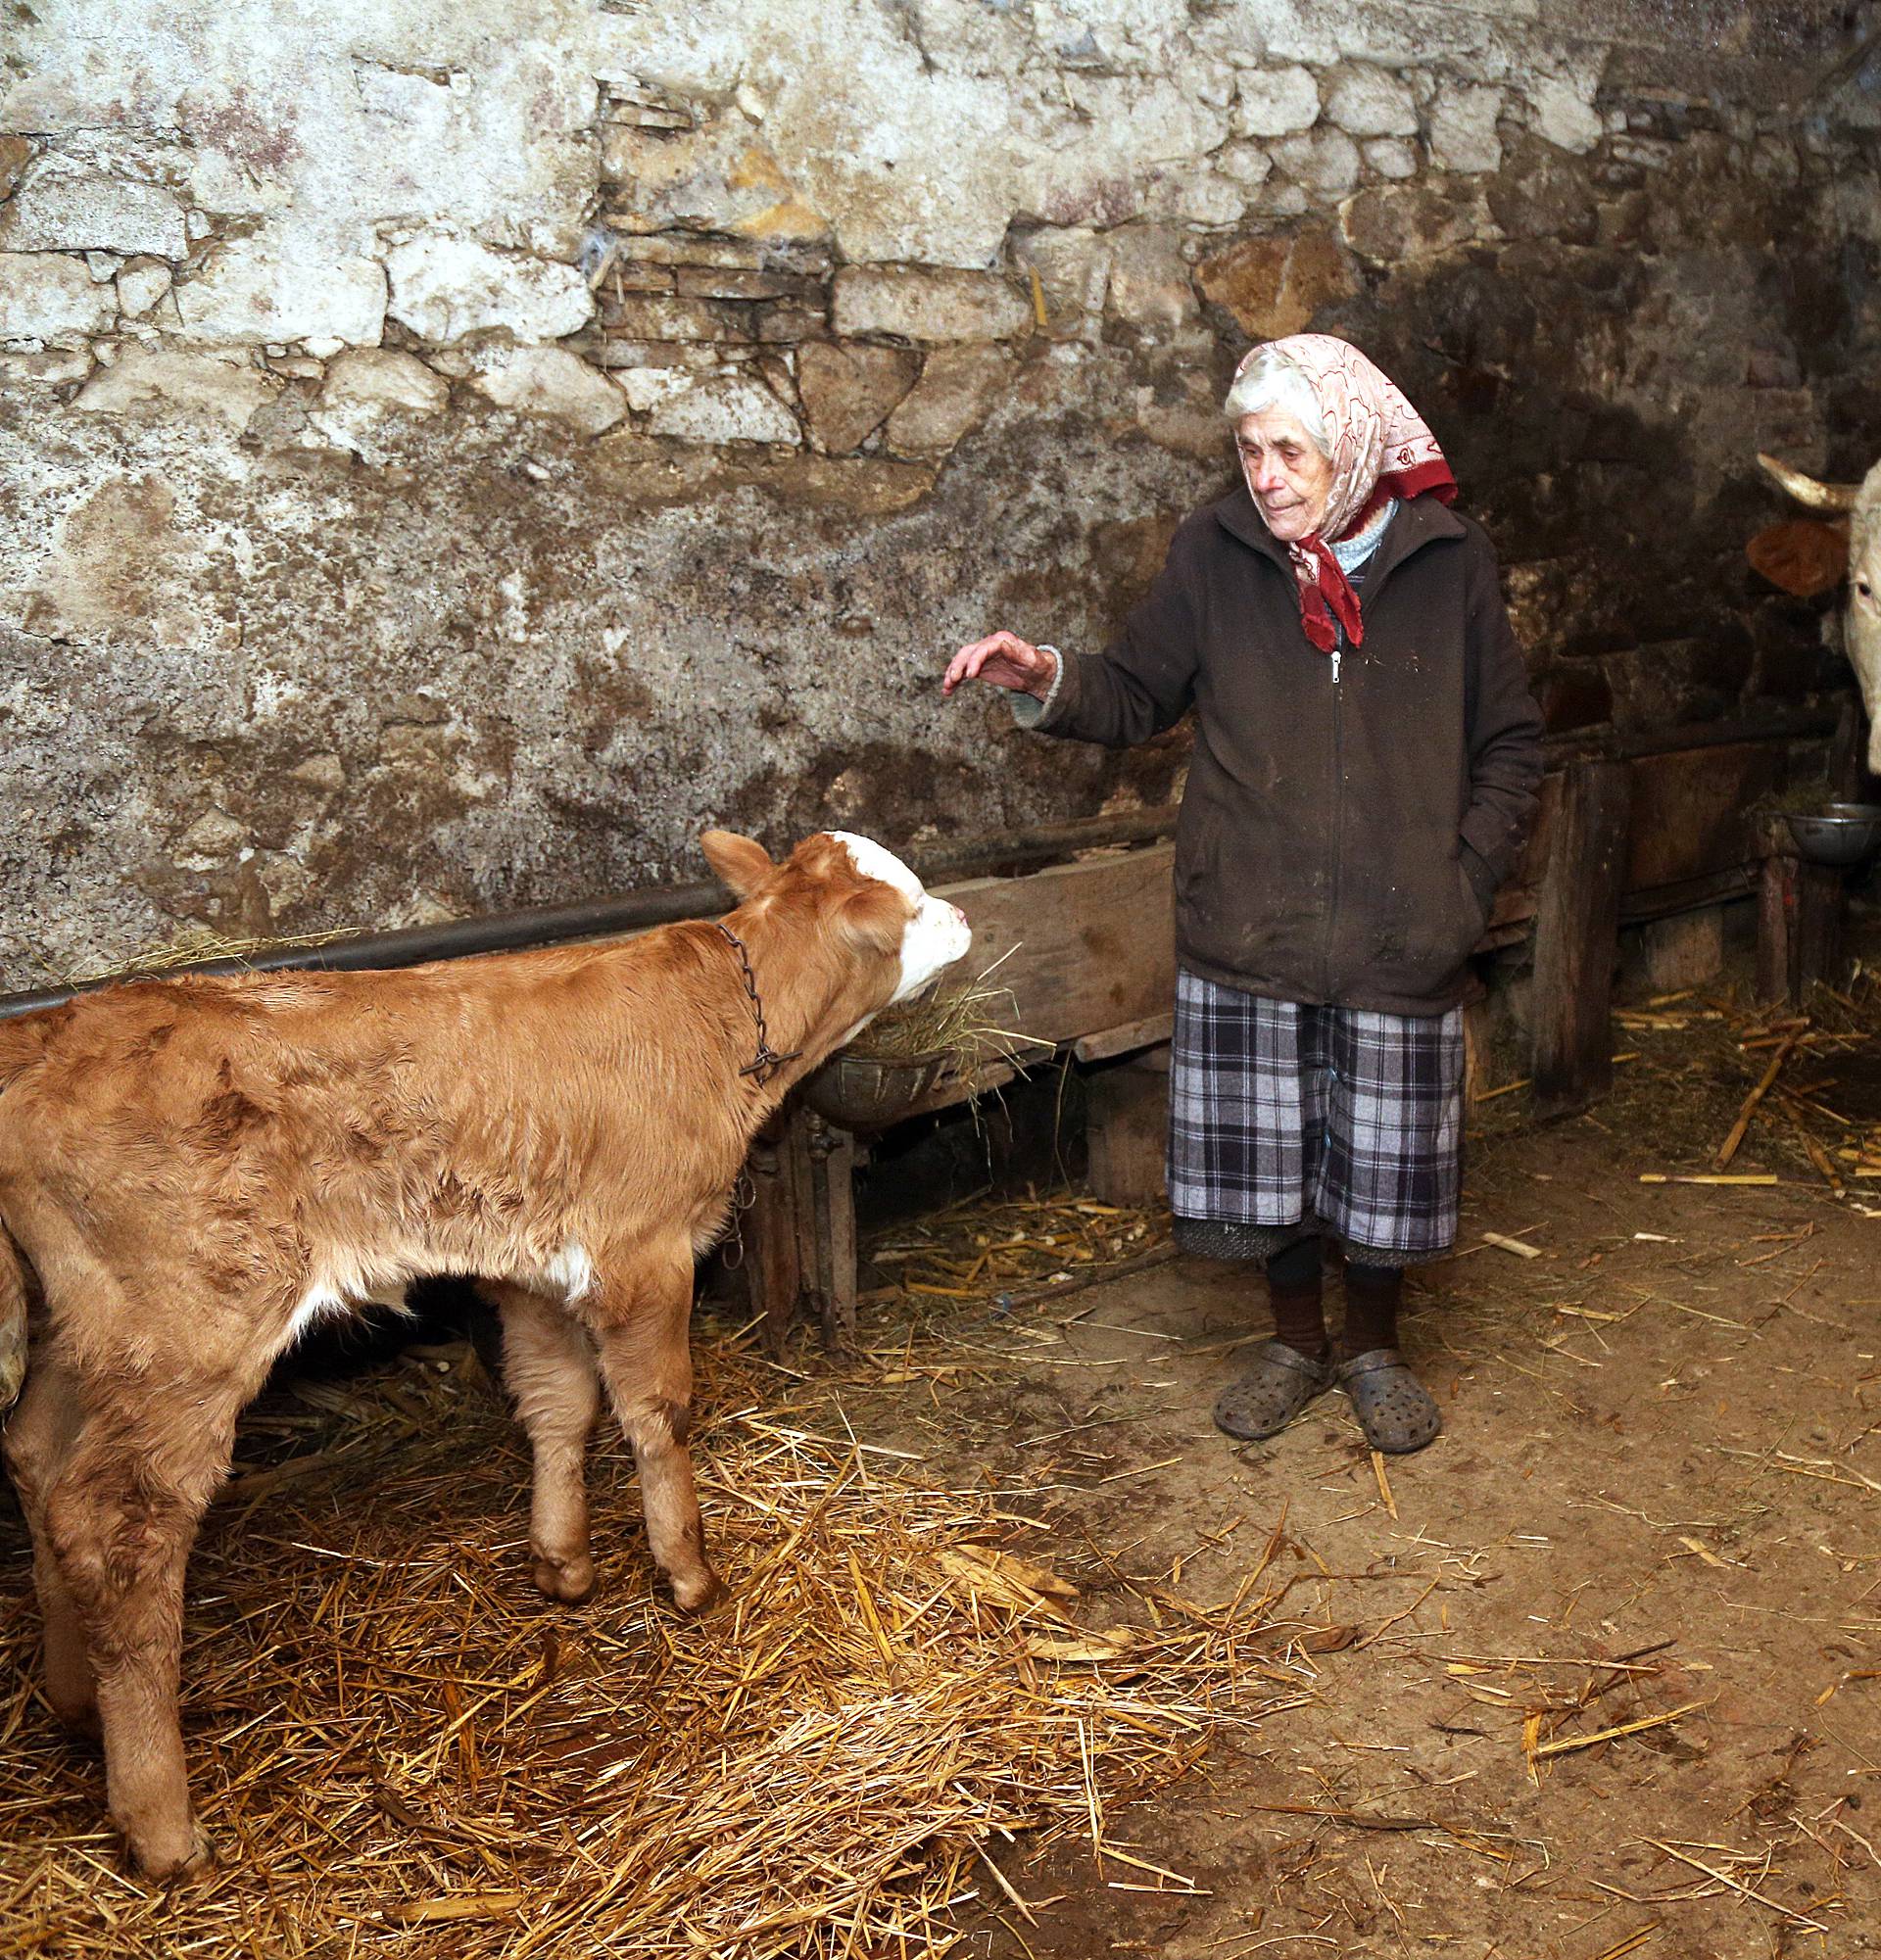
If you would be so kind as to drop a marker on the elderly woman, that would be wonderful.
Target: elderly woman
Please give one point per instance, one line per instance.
(1365, 761)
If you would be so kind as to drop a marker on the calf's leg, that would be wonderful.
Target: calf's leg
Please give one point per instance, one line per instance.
(549, 1370)
(121, 1519)
(40, 1438)
(639, 1326)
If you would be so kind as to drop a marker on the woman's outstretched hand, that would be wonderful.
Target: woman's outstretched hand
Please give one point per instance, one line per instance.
(1007, 661)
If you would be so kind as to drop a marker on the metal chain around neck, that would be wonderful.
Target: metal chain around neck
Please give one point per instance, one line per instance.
(766, 1062)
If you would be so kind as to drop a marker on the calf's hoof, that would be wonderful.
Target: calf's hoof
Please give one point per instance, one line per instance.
(701, 1593)
(168, 1857)
(80, 1718)
(569, 1580)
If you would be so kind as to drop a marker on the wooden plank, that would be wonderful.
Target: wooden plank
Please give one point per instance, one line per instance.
(1775, 910)
(1127, 1128)
(832, 1154)
(1147, 1032)
(1799, 921)
(772, 1235)
(1817, 941)
(1688, 810)
(1576, 931)
(1085, 946)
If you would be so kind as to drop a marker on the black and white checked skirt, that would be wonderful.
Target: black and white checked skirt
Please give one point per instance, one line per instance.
(1281, 1114)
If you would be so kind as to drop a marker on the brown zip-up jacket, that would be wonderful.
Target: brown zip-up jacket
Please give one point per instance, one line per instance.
(1345, 825)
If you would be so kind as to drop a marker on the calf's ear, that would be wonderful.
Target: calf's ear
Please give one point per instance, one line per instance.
(743, 863)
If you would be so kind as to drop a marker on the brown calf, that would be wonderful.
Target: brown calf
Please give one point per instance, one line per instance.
(192, 1171)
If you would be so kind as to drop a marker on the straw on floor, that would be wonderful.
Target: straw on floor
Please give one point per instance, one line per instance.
(401, 1748)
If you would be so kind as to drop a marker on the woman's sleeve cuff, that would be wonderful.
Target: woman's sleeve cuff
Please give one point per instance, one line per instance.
(1029, 710)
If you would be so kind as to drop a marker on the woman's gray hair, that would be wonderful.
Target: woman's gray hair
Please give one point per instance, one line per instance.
(1272, 381)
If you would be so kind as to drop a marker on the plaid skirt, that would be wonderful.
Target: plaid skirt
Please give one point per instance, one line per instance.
(1281, 1113)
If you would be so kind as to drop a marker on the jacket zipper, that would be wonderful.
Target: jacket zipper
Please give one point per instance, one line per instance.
(1339, 824)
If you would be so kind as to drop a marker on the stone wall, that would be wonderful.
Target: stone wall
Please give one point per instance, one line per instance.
(454, 454)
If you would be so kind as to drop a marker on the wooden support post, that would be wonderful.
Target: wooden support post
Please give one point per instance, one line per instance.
(832, 1156)
(771, 1235)
(1577, 933)
(803, 1220)
(1798, 927)
(1126, 1128)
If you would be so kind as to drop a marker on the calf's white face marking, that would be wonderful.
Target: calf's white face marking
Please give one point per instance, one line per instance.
(934, 938)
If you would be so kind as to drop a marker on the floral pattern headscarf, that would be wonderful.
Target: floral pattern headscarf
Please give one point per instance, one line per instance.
(1382, 449)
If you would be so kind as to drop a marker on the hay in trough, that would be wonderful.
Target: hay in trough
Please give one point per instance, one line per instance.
(401, 1749)
(964, 1023)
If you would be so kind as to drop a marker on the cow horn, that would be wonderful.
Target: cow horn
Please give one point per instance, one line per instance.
(1806, 491)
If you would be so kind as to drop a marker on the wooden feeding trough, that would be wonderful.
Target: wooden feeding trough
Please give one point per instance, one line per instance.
(1086, 952)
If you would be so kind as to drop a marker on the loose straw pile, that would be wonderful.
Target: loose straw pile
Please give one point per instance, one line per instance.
(401, 1748)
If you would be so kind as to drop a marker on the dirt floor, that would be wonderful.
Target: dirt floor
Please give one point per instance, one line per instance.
(1653, 1511)
(1656, 1503)
(1658, 1453)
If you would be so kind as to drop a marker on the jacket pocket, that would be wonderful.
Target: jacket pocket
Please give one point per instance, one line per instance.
(1475, 914)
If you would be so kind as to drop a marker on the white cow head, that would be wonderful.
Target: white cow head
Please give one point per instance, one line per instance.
(1806, 558)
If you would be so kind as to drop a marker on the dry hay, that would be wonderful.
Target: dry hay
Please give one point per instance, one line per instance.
(199, 948)
(964, 1023)
(401, 1748)
(996, 1250)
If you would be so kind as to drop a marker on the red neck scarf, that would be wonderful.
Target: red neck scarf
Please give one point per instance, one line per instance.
(1381, 449)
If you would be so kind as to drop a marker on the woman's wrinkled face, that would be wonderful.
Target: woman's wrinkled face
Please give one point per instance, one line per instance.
(1289, 478)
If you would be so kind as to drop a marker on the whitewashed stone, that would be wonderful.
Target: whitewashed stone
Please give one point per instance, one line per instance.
(1281, 198)
(445, 286)
(153, 382)
(1368, 102)
(1294, 31)
(957, 386)
(1275, 102)
(1151, 284)
(1074, 270)
(140, 285)
(922, 303)
(1325, 161)
(906, 159)
(1248, 163)
(382, 378)
(57, 208)
(1463, 129)
(730, 408)
(46, 296)
(1195, 193)
(249, 293)
(49, 367)
(550, 382)
(1564, 114)
(647, 387)
(1390, 156)
(1162, 121)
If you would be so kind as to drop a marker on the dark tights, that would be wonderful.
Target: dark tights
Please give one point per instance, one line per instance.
(1371, 1294)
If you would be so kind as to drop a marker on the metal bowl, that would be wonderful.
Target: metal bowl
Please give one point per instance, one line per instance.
(871, 1091)
(1834, 839)
(1872, 811)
